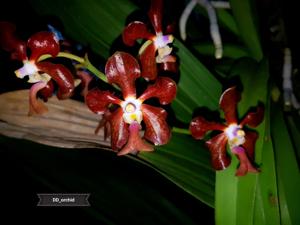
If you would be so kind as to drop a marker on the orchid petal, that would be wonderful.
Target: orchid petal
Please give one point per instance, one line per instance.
(85, 78)
(98, 100)
(105, 123)
(10, 43)
(217, 147)
(43, 43)
(155, 15)
(62, 76)
(245, 165)
(47, 91)
(123, 69)
(135, 30)
(157, 129)
(164, 89)
(228, 103)
(148, 62)
(169, 66)
(119, 130)
(199, 127)
(135, 142)
(36, 106)
(166, 59)
(249, 145)
(253, 119)
(170, 29)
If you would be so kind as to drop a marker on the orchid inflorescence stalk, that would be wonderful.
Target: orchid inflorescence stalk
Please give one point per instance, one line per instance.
(127, 117)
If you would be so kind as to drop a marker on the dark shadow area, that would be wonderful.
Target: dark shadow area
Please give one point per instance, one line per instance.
(28, 168)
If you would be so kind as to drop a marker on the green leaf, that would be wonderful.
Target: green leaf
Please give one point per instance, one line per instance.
(227, 21)
(287, 167)
(229, 50)
(197, 86)
(186, 163)
(245, 17)
(293, 124)
(246, 200)
(90, 22)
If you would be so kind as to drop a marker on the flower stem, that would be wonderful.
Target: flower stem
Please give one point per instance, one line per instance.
(71, 56)
(83, 63)
(181, 130)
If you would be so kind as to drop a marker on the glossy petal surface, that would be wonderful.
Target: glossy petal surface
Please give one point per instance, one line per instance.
(217, 147)
(119, 130)
(249, 144)
(47, 91)
(98, 100)
(134, 31)
(253, 119)
(200, 126)
(164, 89)
(43, 43)
(157, 129)
(148, 61)
(155, 15)
(123, 69)
(169, 66)
(85, 78)
(228, 103)
(62, 77)
(135, 142)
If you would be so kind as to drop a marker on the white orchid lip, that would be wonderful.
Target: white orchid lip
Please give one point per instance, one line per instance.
(132, 110)
(161, 41)
(28, 68)
(235, 135)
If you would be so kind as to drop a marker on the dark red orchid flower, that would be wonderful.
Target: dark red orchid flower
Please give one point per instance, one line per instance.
(156, 49)
(123, 69)
(85, 79)
(39, 73)
(241, 142)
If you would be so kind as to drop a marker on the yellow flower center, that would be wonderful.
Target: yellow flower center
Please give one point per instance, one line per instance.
(235, 135)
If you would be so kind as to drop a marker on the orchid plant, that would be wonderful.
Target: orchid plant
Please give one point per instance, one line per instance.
(125, 124)
(136, 95)
(240, 141)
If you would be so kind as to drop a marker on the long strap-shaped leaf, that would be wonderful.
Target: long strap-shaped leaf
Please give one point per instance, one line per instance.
(197, 87)
(246, 19)
(287, 167)
(251, 199)
(96, 23)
